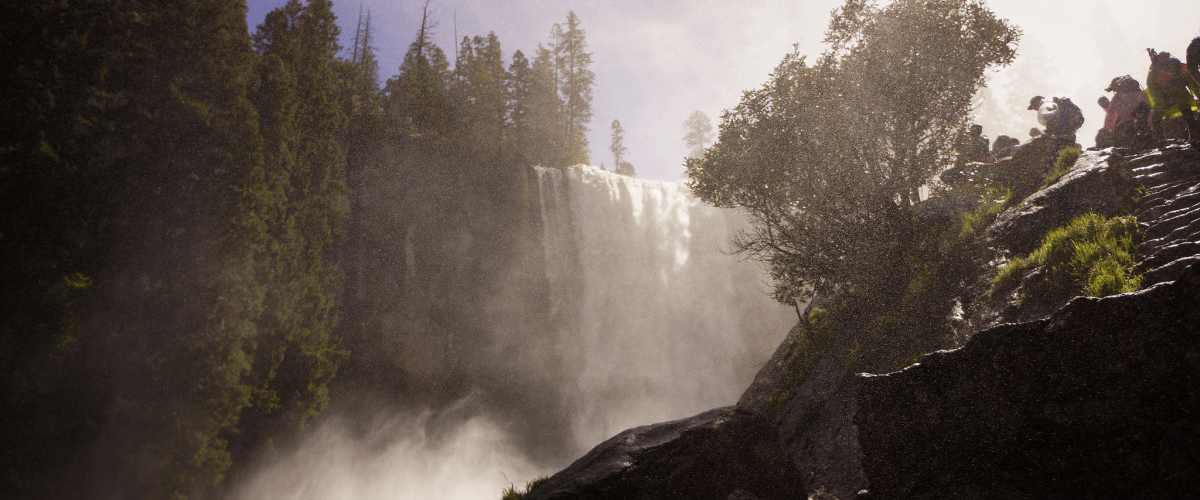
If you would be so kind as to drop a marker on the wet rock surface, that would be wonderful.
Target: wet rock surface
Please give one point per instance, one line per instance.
(1169, 211)
(719, 454)
(1061, 398)
(1100, 400)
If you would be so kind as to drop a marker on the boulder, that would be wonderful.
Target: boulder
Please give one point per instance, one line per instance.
(719, 454)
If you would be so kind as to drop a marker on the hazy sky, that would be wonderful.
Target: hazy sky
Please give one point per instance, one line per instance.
(656, 61)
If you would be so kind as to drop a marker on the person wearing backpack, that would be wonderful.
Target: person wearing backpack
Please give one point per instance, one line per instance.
(1171, 91)
(1127, 116)
(1060, 117)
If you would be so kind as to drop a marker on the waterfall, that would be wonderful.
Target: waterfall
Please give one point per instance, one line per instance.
(624, 309)
(657, 319)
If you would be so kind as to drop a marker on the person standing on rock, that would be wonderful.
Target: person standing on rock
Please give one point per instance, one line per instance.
(1171, 91)
(1127, 117)
(1059, 116)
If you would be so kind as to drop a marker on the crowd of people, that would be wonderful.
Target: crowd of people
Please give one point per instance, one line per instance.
(1168, 108)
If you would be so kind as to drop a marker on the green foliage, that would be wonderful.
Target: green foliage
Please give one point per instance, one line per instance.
(807, 347)
(572, 62)
(512, 493)
(988, 203)
(538, 110)
(827, 158)
(183, 273)
(479, 89)
(418, 102)
(175, 201)
(1062, 164)
(1090, 256)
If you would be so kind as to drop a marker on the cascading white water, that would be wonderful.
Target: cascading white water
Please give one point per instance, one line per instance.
(665, 321)
(651, 321)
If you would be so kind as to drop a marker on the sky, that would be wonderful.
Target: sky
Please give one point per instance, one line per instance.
(657, 61)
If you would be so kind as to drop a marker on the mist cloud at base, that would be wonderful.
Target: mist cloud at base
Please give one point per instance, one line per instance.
(453, 453)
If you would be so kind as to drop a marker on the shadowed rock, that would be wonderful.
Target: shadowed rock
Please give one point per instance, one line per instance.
(719, 454)
(1097, 401)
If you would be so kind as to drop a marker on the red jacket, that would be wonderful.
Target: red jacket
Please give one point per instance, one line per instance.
(1122, 106)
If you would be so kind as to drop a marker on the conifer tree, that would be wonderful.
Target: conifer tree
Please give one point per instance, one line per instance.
(177, 302)
(542, 123)
(618, 149)
(303, 120)
(575, 85)
(518, 92)
(480, 87)
(418, 103)
(697, 133)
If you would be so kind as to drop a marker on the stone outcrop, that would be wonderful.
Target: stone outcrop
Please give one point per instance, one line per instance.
(1169, 210)
(1100, 400)
(1101, 182)
(1039, 398)
(719, 454)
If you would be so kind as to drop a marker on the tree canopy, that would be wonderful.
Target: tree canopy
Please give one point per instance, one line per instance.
(191, 223)
(828, 158)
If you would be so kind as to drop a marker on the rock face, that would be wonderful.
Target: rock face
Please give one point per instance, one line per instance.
(1170, 211)
(1041, 398)
(1099, 182)
(719, 454)
(1100, 400)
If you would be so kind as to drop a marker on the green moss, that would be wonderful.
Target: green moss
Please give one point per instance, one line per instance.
(807, 347)
(1091, 256)
(1062, 164)
(992, 202)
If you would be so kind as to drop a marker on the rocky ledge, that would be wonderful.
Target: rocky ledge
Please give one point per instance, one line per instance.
(1100, 400)
(726, 453)
(1091, 398)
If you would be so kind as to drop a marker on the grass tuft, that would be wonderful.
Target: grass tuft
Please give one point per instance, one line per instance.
(1062, 164)
(512, 493)
(1091, 256)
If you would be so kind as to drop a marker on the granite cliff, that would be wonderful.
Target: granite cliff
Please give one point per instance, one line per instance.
(946, 387)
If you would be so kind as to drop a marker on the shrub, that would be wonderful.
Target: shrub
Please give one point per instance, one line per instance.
(1066, 159)
(1091, 256)
(511, 493)
(992, 201)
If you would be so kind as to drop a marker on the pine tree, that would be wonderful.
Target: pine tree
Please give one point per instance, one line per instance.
(418, 103)
(59, 184)
(618, 149)
(480, 93)
(180, 296)
(543, 123)
(302, 122)
(697, 133)
(575, 81)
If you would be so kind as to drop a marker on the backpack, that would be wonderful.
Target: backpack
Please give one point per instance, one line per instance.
(1070, 116)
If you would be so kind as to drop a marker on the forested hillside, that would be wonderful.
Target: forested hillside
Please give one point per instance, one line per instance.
(186, 244)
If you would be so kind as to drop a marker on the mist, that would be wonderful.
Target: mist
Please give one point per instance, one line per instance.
(454, 453)
(616, 306)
